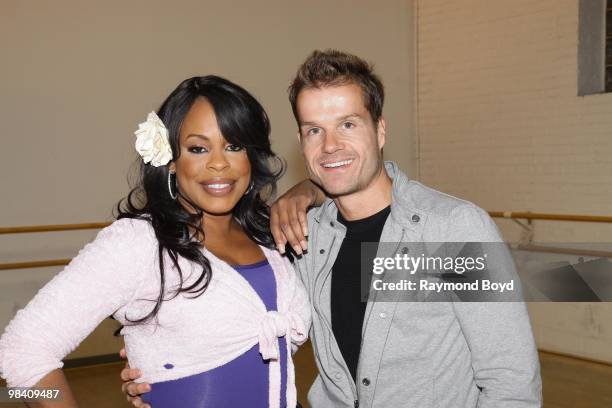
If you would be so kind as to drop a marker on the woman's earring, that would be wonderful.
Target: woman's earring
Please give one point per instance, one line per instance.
(172, 195)
(249, 189)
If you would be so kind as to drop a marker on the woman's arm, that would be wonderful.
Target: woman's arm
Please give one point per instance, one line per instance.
(288, 221)
(104, 276)
(55, 380)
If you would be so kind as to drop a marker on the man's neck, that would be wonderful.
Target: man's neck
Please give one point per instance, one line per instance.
(372, 199)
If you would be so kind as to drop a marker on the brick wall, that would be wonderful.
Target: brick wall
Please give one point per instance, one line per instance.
(499, 123)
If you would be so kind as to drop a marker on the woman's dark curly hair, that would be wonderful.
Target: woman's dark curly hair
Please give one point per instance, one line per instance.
(243, 122)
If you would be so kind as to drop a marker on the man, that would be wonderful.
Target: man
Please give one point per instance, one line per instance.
(387, 354)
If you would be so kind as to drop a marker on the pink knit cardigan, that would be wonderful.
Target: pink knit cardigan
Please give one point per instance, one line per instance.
(117, 274)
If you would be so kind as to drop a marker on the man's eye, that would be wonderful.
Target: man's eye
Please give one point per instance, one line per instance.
(313, 131)
(197, 149)
(234, 148)
(348, 125)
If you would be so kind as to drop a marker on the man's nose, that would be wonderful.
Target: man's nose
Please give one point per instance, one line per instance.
(330, 142)
(217, 161)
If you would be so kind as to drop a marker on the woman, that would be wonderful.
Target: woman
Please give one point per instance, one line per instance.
(209, 309)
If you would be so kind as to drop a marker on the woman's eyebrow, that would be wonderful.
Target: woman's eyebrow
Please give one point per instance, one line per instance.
(206, 138)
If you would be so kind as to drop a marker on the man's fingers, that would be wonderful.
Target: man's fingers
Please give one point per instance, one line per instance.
(133, 392)
(125, 374)
(137, 402)
(129, 374)
(135, 389)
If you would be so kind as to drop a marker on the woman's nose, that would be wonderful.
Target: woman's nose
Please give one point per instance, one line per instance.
(217, 161)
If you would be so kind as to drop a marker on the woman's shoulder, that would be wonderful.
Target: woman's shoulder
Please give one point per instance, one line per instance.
(141, 225)
(135, 232)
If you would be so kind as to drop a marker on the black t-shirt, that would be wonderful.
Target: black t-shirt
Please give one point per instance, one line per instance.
(347, 309)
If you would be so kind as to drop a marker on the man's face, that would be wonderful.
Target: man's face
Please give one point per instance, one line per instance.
(340, 142)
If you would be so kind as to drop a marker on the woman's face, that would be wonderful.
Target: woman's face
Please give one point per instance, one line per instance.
(211, 172)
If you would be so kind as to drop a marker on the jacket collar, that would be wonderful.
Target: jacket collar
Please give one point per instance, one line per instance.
(403, 209)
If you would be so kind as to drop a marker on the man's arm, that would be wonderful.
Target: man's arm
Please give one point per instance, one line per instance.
(499, 335)
(504, 356)
(288, 221)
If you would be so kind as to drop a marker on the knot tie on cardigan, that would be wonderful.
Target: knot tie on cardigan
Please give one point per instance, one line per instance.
(274, 325)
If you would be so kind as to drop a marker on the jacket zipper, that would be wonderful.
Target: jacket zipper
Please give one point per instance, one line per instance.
(356, 402)
(328, 324)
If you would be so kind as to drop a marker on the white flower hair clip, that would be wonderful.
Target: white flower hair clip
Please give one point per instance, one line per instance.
(152, 141)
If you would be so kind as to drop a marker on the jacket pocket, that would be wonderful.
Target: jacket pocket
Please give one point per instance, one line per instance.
(404, 383)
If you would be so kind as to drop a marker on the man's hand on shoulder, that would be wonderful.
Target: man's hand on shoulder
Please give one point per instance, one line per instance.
(288, 221)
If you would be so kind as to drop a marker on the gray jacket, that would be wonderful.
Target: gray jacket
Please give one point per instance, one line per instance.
(420, 354)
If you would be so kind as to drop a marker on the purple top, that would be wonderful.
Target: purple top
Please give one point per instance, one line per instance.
(240, 383)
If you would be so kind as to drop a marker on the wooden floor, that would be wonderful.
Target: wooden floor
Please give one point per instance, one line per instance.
(568, 383)
(573, 383)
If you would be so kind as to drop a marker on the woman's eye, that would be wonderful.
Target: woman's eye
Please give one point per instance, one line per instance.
(234, 148)
(197, 149)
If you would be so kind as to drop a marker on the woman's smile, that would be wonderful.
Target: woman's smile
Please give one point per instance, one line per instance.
(219, 187)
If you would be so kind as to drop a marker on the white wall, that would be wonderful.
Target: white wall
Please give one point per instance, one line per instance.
(500, 124)
(77, 77)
